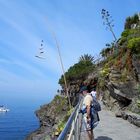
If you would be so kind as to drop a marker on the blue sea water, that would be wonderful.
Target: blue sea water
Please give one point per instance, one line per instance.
(21, 119)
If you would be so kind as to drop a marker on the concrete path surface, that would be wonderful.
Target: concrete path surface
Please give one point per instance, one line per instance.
(112, 128)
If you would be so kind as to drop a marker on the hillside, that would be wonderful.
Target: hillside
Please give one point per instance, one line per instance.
(116, 78)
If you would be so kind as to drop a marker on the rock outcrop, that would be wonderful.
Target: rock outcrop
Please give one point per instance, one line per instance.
(130, 117)
(50, 117)
(120, 92)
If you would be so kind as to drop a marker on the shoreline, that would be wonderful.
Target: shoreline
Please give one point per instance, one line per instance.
(48, 121)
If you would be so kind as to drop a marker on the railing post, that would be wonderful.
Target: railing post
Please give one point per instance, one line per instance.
(78, 128)
(73, 132)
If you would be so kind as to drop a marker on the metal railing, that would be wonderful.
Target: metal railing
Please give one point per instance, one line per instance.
(72, 128)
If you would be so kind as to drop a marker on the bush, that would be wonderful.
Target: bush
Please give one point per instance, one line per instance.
(122, 40)
(130, 33)
(105, 71)
(125, 33)
(78, 70)
(63, 122)
(131, 20)
(134, 45)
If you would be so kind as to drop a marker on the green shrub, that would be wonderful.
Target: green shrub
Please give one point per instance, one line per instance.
(125, 33)
(134, 33)
(77, 71)
(131, 20)
(105, 71)
(63, 122)
(130, 32)
(134, 45)
(122, 40)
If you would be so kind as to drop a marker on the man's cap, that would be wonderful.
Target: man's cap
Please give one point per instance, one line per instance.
(83, 88)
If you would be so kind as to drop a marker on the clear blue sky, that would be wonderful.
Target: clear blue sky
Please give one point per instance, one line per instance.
(79, 30)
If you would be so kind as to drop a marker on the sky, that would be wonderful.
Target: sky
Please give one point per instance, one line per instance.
(78, 28)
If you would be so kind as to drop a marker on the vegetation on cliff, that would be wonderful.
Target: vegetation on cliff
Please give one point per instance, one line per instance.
(131, 20)
(121, 68)
(79, 70)
(52, 118)
(118, 75)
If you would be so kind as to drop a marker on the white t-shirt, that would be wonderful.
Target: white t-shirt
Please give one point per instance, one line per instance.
(93, 93)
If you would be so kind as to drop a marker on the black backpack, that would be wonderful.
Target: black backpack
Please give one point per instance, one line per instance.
(96, 105)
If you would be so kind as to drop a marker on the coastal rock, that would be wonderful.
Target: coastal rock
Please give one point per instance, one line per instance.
(49, 120)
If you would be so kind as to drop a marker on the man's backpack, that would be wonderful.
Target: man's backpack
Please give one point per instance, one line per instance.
(96, 105)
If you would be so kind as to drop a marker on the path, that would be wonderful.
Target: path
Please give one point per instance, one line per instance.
(112, 128)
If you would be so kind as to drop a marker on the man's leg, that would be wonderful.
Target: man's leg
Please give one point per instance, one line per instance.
(90, 135)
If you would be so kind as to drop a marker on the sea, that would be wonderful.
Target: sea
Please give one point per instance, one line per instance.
(21, 120)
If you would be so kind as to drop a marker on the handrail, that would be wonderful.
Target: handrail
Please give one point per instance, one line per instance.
(71, 125)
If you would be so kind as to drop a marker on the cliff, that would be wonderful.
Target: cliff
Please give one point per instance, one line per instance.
(116, 78)
(120, 92)
(118, 87)
(52, 118)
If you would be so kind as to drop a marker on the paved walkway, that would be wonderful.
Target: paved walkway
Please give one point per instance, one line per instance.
(112, 128)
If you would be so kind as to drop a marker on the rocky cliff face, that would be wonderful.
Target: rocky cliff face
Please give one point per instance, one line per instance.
(122, 91)
(118, 83)
(51, 117)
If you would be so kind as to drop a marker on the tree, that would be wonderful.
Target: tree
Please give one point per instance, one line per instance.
(130, 21)
(86, 58)
(108, 22)
(103, 53)
(135, 18)
(79, 70)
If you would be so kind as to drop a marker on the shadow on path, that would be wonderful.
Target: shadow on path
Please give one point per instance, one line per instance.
(103, 138)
